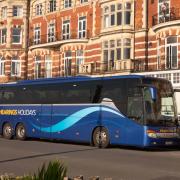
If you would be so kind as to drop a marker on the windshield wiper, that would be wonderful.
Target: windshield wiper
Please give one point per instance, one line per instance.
(166, 118)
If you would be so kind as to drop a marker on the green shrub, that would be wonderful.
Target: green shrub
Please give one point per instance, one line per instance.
(25, 178)
(55, 170)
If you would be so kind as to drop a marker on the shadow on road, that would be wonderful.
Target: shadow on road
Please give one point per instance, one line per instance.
(120, 147)
(159, 149)
(148, 149)
(46, 154)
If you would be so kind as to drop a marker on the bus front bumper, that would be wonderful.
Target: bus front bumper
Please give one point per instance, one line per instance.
(163, 142)
(168, 137)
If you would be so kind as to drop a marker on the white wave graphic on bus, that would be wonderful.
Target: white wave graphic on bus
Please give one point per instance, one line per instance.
(74, 118)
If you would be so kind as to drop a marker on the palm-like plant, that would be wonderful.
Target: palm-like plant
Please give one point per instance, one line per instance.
(55, 170)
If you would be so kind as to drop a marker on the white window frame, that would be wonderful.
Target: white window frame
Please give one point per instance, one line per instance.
(119, 9)
(112, 14)
(67, 60)
(52, 5)
(109, 49)
(38, 9)
(176, 78)
(158, 54)
(170, 45)
(115, 45)
(112, 11)
(67, 3)
(37, 35)
(79, 59)
(51, 35)
(106, 17)
(48, 66)
(15, 67)
(20, 35)
(37, 67)
(105, 48)
(162, 5)
(4, 12)
(127, 10)
(65, 28)
(18, 12)
(84, 1)
(82, 27)
(3, 36)
(127, 42)
(2, 66)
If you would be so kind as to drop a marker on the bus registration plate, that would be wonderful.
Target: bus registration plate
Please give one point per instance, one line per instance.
(168, 142)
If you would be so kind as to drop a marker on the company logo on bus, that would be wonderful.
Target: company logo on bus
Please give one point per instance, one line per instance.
(13, 112)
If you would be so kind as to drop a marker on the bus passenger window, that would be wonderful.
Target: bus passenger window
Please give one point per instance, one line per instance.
(77, 95)
(135, 108)
(97, 94)
(117, 92)
(8, 97)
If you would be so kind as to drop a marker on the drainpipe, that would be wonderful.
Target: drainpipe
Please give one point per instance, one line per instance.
(146, 36)
(27, 38)
(134, 39)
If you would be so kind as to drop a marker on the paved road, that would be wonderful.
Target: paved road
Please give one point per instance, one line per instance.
(23, 157)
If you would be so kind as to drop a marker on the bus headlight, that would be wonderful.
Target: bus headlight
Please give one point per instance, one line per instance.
(151, 134)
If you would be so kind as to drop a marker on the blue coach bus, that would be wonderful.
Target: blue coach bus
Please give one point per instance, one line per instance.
(127, 110)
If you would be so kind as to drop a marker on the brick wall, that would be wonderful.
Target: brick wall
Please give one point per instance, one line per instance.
(148, 38)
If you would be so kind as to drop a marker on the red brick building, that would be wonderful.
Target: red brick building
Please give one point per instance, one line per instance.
(72, 37)
(159, 45)
(13, 39)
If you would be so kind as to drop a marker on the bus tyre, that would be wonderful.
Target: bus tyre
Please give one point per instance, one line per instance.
(7, 131)
(20, 132)
(101, 137)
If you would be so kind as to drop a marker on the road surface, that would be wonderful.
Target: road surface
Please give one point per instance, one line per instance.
(24, 157)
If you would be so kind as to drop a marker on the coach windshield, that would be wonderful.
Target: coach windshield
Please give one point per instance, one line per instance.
(159, 111)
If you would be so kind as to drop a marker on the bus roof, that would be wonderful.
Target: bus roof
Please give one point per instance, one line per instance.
(69, 79)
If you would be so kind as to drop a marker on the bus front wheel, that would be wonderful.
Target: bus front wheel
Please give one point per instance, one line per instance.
(7, 131)
(101, 137)
(20, 132)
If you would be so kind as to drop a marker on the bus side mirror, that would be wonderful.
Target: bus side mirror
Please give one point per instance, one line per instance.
(153, 92)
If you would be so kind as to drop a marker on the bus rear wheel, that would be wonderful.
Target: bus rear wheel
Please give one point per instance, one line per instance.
(101, 137)
(20, 132)
(7, 131)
